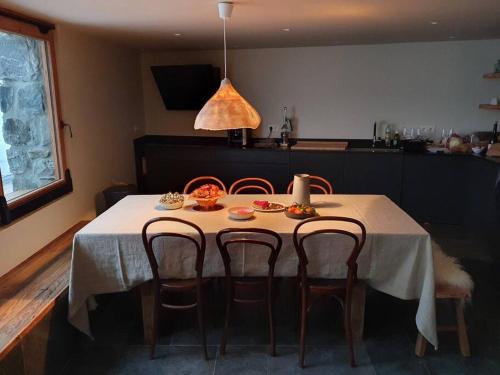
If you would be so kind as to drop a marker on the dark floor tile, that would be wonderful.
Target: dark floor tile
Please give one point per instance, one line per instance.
(178, 360)
(320, 360)
(449, 361)
(95, 360)
(243, 360)
(394, 354)
(192, 336)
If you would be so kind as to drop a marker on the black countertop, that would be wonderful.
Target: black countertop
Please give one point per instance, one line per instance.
(355, 146)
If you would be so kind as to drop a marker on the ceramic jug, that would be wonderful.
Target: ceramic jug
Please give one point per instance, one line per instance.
(301, 193)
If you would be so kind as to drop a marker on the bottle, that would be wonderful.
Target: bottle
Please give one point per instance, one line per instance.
(494, 135)
(396, 140)
(387, 137)
(286, 128)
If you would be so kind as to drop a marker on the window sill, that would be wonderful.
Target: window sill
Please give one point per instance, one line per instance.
(9, 213)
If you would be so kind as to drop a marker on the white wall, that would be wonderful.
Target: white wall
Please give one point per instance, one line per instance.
(338, 92)
(101, 98)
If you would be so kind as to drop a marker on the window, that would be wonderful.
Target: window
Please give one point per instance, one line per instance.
(32, 168)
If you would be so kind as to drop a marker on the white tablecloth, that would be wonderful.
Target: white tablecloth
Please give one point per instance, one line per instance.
(108, 255)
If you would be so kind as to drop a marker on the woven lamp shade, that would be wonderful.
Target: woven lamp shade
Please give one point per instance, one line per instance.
(227, 109)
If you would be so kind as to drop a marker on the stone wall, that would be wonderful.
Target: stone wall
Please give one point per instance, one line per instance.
(24, 106)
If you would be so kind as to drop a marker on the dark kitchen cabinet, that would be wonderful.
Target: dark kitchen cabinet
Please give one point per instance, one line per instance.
(329, 165)
(482, 209)
(374, 173)
(169, 168)
(434, 188)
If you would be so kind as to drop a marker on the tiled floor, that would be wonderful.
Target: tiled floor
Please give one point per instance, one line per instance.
(387, 348)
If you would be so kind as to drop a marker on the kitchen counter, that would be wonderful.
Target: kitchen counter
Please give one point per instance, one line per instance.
(355, 146)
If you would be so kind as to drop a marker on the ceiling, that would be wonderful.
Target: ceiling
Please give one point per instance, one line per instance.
(152, 24)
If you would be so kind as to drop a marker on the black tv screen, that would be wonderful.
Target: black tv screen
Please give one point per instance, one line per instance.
(186, 87)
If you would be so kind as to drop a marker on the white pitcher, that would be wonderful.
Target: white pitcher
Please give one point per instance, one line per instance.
(301, 193)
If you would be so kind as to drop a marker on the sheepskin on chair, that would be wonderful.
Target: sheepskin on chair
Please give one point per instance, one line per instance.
(448, 271)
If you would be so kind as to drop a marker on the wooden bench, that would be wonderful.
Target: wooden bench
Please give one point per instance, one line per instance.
(33, 309)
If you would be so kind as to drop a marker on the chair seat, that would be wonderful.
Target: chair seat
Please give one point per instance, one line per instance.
(327, 285)
(446, 291)
(180, 284)
(330, 284)
(250, 280)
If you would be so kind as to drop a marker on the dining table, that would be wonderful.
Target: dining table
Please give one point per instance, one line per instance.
(108, 254)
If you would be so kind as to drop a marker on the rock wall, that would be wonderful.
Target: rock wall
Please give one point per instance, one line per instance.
(24, 106)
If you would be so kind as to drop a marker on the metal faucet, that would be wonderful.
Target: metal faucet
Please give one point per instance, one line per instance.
(374, 143)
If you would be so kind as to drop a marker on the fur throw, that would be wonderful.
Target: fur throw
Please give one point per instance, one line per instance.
(448, 271)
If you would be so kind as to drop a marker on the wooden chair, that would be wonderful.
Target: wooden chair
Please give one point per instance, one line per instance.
(260, 289)
(204, 180)
(340, 289)
(256, 183)
(318, 183)
(161, 287)
(458, 296)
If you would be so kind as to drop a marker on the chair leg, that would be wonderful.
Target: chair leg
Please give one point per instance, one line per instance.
(348, 331)
(420, 346)
(299, 304)
(463, 338)
(271, 320)
(303, 326)
(154, 336)
(201, 324)
(229, 302)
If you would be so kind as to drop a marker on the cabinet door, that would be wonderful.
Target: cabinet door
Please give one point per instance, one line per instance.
(374, 173)
(434, 188)
(271, 165)
(169, 168)
(329, 165)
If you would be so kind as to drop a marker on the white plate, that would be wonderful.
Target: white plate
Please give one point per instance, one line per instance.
(259, 209)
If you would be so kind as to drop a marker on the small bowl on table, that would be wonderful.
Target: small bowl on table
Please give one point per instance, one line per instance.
(241, 213)
(172, 201)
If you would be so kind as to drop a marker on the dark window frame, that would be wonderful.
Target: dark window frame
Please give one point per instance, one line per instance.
(18, 23)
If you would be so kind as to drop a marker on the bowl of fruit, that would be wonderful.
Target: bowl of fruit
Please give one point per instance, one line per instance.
(207, 196)
(172, 201)
(300, 211)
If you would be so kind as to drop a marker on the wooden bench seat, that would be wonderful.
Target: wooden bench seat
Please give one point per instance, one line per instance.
(28, 295)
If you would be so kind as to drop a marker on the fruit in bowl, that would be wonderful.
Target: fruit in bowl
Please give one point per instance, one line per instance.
(207, 195)
(300, 211)
(172, 201)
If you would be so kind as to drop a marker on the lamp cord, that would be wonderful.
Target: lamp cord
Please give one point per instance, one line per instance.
(225, 54)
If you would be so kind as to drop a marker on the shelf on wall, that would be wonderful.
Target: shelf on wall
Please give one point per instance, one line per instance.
(492, 76)
(489, 106)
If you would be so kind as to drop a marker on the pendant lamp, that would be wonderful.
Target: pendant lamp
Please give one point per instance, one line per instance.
(226, 109)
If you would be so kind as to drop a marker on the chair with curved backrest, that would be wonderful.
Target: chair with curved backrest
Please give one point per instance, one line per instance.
(204, 180)
(161, 286)
(237, 287)
(340, 289)
(252, 184)
(318, 183)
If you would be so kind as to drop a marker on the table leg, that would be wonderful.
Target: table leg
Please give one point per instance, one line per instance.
(358, 310)
(147, 302)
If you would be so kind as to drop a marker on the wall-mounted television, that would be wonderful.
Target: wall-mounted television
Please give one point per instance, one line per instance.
(186, 87)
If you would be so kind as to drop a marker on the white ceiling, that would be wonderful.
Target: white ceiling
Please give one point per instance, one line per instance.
(151, 24)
